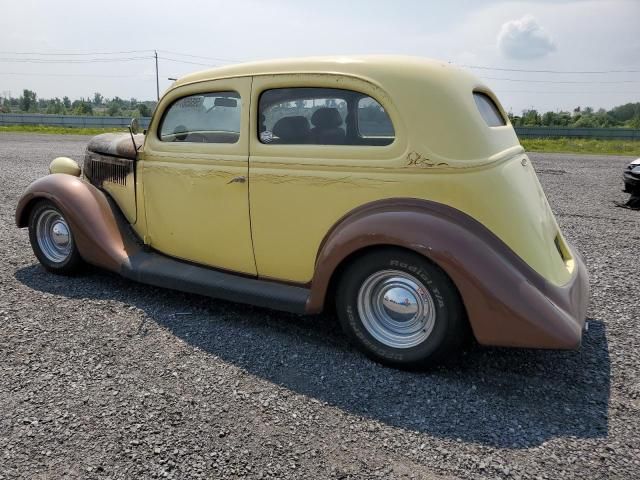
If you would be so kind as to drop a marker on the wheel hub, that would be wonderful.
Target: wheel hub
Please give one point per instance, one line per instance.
(396, 308)
(399, 304)
(54, 236)
(60, 233)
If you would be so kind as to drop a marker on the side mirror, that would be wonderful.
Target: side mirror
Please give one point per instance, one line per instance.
(134, 126)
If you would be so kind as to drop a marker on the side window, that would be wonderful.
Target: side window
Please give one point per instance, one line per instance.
(322, 116)
(489, 110)
(373, 121)
(203, 118)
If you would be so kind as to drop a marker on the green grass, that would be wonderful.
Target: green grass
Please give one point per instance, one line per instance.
(58, 130)
(582, 145)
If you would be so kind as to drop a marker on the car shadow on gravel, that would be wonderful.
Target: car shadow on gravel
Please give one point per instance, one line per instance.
(497, 397)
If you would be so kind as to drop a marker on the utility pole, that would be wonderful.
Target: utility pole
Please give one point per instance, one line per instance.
(157, 80)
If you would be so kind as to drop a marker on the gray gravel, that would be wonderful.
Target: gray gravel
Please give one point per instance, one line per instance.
(104, 378)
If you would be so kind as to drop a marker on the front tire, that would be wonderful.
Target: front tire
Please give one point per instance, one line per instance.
(52, 240)
(400, 309)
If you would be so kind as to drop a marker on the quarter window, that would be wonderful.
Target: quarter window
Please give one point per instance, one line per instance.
(373, 121)
(489, 110)
(322, 116)
(203, 118)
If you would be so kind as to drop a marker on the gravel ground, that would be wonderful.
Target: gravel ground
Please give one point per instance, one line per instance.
(104, 378)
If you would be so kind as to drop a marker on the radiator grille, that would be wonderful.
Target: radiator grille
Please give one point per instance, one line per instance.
(101, 168)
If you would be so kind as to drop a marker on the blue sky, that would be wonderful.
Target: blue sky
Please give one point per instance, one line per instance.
(563, 35)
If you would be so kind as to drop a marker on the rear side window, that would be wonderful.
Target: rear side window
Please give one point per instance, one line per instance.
(203, 118)
(373, 121)
(489, 110)
(322, 116)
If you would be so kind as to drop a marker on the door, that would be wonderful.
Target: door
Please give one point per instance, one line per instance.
(194, 175)
(318, 153)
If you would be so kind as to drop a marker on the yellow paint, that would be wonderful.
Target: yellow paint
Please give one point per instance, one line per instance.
(64, 165)
(443, 151)
(192, 211)
(124, 196)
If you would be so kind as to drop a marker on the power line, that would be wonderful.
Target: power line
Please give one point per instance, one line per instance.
(201, 56)
(72, 61)
(561, 81)
(585, 72)
(186, 61)
(75, 53)
(42, 74)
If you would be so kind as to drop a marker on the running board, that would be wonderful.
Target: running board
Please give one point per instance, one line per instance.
(161, 271)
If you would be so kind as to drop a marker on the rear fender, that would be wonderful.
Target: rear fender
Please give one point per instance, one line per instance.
(507, 302)
(92, 218)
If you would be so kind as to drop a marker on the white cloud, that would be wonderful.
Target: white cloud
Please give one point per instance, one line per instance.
(524, 39)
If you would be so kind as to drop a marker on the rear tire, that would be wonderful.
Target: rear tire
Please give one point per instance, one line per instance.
(52, 240)
(400, 309)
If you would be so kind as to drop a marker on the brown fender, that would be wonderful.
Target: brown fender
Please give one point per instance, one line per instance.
(507, 302)
(93, 222)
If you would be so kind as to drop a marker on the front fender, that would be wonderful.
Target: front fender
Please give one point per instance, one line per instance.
(507, 302)
(92, 218)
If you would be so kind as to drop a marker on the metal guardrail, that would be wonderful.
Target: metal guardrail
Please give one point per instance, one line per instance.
(118, 122)
(599, 133)
(74, 121)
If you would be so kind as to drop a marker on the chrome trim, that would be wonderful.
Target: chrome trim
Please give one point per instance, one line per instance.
(54, 236)
(396, 309)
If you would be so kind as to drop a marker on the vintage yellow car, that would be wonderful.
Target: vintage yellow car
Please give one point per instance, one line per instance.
(392, 188)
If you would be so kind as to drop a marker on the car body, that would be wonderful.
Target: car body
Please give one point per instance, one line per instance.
(631, 177)
(394, 185)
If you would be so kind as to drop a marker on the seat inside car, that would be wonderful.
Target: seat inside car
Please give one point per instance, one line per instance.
(291, 130)
(327, 129)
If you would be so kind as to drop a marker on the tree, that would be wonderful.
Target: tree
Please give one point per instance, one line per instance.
(549, 119)
(97, 98)
(530, 118)
(55, 107)
(80, 107)
(66, 102)
(28, 101)
(626, 112)
(634, 122)
(144, 110)
(113, 110)
(585, 121)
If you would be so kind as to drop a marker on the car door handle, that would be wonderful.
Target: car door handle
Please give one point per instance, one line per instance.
(240, 179)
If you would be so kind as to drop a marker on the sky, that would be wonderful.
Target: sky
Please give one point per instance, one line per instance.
(64, 47)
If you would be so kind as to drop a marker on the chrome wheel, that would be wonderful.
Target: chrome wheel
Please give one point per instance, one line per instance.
(54, 236)
(396, 309)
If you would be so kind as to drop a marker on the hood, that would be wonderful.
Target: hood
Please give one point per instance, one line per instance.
(116, 145)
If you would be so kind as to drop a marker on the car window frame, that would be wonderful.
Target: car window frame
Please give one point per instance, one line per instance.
(187, 152)
(357, 120)
(166, 110)
(355, 93)
(492, 98)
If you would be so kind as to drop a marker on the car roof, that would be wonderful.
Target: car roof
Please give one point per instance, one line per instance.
(371, 66)
(435, 98)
